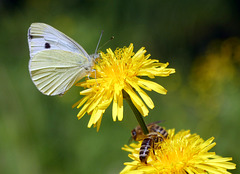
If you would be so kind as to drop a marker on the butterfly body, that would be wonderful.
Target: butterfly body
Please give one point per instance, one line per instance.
(56, 61)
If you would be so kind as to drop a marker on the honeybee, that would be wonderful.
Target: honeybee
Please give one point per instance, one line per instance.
(150, 141)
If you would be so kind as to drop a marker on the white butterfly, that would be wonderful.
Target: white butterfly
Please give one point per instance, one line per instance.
(57, 62)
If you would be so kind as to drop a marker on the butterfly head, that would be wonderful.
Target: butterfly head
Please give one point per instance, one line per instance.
(94, 56)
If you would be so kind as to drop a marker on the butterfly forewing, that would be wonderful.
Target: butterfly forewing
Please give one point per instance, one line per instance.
(42, 36)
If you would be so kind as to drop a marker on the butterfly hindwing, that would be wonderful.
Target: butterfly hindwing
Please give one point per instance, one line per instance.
(55, 71)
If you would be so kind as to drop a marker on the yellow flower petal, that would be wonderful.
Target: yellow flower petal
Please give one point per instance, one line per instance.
(152, 85)
(137, 101)
(120, 106)
(144, 96)
(114, 108)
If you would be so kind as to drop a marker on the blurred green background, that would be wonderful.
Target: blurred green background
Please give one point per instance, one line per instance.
(41, 134)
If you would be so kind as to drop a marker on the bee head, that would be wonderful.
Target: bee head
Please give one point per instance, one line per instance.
(134, 134)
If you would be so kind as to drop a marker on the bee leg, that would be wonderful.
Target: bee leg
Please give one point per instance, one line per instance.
(153, 145)
(153, 149)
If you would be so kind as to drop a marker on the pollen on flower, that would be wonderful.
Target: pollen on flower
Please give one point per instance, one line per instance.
(116, 72)
(181, 153)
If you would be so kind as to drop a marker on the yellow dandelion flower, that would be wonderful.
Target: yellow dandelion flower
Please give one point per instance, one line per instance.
(181, 153)
(118, 72)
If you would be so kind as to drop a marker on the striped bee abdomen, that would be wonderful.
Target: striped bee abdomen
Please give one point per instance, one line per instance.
(159, 129)
(146, 145)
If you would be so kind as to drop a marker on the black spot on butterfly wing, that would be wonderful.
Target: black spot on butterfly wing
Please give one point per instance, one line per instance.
(29, 35)
(47, 45)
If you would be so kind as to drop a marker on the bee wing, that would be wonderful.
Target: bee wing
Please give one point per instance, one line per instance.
(156, 122)
(55, 71)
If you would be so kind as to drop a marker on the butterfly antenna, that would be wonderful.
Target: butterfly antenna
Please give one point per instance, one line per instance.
(111, 38)
(99, 42)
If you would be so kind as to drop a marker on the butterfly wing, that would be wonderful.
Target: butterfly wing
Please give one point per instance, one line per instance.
(55, 71)
(57, 62)
(42, 36)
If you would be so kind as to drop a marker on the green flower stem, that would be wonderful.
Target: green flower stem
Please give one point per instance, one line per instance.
(137, 114)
